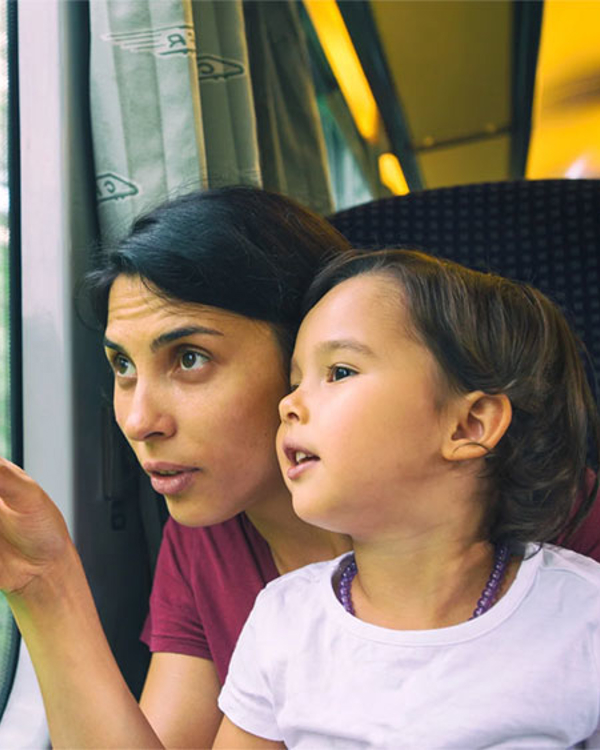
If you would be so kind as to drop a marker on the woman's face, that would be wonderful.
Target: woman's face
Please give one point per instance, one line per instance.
(196, 393)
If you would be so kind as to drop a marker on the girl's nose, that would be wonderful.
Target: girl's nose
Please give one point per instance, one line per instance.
(145, 416)
(292, 407)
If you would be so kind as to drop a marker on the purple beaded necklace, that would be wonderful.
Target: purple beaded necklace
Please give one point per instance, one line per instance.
(485, 602)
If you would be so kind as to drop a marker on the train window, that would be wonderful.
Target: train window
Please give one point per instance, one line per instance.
(361, 167)
(348, 181)
(353, 174)
(5, 422)
(9, 639)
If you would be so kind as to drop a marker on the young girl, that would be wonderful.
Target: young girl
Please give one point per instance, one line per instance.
(441, 417)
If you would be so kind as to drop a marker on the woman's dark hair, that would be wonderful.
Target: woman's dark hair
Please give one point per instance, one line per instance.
(499, 336)
(238, 248)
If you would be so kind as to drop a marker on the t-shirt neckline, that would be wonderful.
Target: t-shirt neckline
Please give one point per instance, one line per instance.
(459, 633)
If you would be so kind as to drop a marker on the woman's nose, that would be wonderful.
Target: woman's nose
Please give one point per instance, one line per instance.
(145, 415)
(292, 407)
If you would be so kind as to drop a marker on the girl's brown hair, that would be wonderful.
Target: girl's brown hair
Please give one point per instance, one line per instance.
(492, 334)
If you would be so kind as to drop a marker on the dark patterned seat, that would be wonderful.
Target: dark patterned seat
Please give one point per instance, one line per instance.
(546, 232)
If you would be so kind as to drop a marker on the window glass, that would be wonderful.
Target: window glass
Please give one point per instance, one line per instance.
(9, 639)
(5, 435)
(348, 182)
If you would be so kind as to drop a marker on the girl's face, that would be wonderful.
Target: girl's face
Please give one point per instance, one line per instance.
(195, 394)
(362, 430)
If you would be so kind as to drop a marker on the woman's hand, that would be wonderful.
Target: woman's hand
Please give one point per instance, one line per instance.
(33, 533)
(87, 702)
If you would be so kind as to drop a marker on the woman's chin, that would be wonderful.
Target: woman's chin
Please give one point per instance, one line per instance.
(196, 512)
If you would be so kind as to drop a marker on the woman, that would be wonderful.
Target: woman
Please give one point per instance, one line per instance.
(200, 306)
(201, 303)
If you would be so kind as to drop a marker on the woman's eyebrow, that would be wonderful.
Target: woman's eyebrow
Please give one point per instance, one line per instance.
(168, 337)
(180, 333)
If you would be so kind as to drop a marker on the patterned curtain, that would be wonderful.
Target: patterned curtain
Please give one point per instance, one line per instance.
(174, 103)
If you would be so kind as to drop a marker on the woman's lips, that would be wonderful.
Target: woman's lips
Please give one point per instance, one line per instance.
(172, 484)
(170, 479)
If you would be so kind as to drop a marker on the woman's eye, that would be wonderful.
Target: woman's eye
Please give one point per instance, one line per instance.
(340, 372)
(192, 360)
(122, 366)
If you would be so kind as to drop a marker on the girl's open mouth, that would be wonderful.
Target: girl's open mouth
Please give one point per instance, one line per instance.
(300, 461)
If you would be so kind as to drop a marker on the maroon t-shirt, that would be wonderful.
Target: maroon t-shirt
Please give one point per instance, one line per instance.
(204, 587)
(207, 579)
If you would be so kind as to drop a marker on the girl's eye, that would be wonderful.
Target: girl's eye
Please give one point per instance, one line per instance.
(340, 372)
(192, 360)
(122, 366)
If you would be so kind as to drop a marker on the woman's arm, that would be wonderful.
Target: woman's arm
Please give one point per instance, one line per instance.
(231, 737)
(180, 700)
(87, 701)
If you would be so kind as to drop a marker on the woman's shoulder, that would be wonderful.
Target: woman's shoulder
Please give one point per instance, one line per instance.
(234, 544)
(586, 538)
(234, 530)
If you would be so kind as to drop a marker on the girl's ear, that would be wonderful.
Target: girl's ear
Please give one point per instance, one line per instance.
(477, 422)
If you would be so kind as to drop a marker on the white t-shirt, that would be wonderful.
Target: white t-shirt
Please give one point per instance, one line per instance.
(523, 675)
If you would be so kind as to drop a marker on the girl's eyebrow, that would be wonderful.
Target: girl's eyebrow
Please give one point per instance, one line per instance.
(352, 345)
(329, 347)
(168, 337)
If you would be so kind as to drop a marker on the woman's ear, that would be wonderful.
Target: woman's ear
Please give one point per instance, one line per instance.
(476, 423)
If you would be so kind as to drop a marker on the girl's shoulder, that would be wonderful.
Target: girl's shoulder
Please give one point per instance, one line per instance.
(309, 575)
(309, 583)
(557, 565)
(566, 560)
(297, 606)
